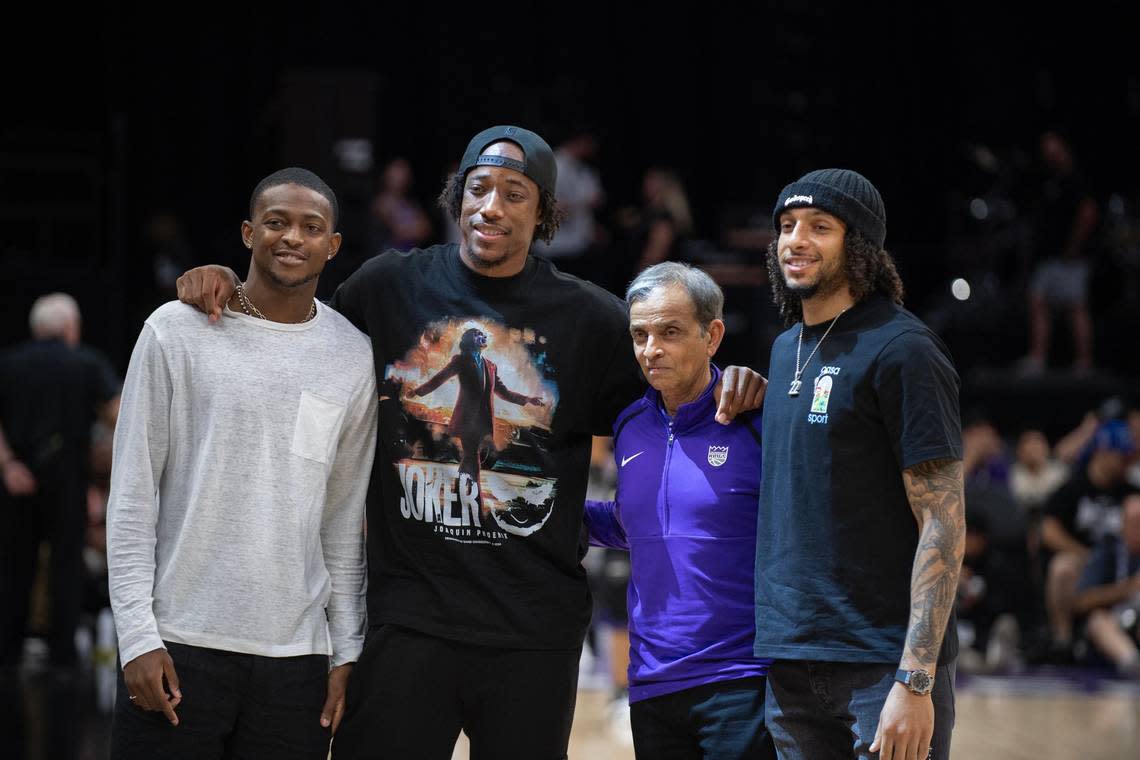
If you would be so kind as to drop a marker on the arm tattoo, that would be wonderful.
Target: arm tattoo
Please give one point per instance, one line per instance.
(935, 492)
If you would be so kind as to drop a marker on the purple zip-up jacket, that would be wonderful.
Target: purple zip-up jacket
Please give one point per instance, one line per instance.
(685, 509)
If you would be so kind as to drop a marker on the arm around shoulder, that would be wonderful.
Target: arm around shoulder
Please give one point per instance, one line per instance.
(207, 288)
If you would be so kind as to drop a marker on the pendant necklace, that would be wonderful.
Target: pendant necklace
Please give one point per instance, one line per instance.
(796, 382)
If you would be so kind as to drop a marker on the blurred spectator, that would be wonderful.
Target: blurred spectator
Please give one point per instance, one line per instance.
(1081, 512)
(1075, 444)
(986, 595)
(654, 232)
(983, 453)
(995, 590)
(665, 219)
(612, 588)
(96, 594)
(1035, 474)
(1109, 593)
(1133, 420)
(1066, 216)
(51, 390)
(395, 219)
(579, 193)
(609, 572)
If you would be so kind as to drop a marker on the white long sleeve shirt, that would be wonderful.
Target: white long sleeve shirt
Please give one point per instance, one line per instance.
(241, 463)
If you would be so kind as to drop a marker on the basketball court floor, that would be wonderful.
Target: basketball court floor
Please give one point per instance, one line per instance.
(1075, 714)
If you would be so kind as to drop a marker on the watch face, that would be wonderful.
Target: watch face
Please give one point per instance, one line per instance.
(920, 681)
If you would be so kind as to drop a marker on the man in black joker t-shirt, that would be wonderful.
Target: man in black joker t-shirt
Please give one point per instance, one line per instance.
(477, 600)
(861, 502)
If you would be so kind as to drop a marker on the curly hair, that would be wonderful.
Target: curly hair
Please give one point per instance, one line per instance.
(868, 270)
(550, 216)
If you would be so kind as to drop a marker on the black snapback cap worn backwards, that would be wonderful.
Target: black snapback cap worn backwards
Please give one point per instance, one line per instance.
(538, 162)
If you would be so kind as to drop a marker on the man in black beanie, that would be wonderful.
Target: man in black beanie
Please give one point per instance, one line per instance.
(862, 507)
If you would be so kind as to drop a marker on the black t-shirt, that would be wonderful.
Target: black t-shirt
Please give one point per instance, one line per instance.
(475, 506)
(49, 395)
(1088, 513)
(837, 537)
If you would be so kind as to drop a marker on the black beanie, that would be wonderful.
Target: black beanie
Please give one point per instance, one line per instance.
(846, 194)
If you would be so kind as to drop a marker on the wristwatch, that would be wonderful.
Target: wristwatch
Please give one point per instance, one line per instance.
(918, 681)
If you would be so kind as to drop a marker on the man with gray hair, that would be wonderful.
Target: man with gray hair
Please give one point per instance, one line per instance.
(685, 509)
(51, 390)
(55, 315)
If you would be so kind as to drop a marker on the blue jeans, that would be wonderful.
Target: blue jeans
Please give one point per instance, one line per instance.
(722, 720)
(824, 710)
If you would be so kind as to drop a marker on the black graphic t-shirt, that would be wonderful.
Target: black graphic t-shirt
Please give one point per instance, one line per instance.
(490, 389)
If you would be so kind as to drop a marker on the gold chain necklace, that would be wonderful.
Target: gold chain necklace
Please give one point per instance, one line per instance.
(250, 310)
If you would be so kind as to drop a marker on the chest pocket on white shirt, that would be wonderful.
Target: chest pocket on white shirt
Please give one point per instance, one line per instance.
(317, 428)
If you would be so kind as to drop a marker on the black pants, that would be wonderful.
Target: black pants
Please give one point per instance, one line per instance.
(717, 721)
(56, 513)
(411, 694)
(238, 706)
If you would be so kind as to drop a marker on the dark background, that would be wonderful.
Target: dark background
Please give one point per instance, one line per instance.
(120, 112)
(116, 113)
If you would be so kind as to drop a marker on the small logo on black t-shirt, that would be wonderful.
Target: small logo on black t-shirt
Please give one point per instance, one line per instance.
(821, 395)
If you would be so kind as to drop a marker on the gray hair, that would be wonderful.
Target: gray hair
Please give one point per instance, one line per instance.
(705, 295)
(52, 314)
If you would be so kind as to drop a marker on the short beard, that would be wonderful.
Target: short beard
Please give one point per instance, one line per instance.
(821, 287)
(805, 292)
(283, 284)
(478, 262)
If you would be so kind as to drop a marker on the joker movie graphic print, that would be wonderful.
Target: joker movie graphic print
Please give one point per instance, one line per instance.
(477, 400)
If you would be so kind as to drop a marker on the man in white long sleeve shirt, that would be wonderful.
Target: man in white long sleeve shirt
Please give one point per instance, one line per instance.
(235, 522)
